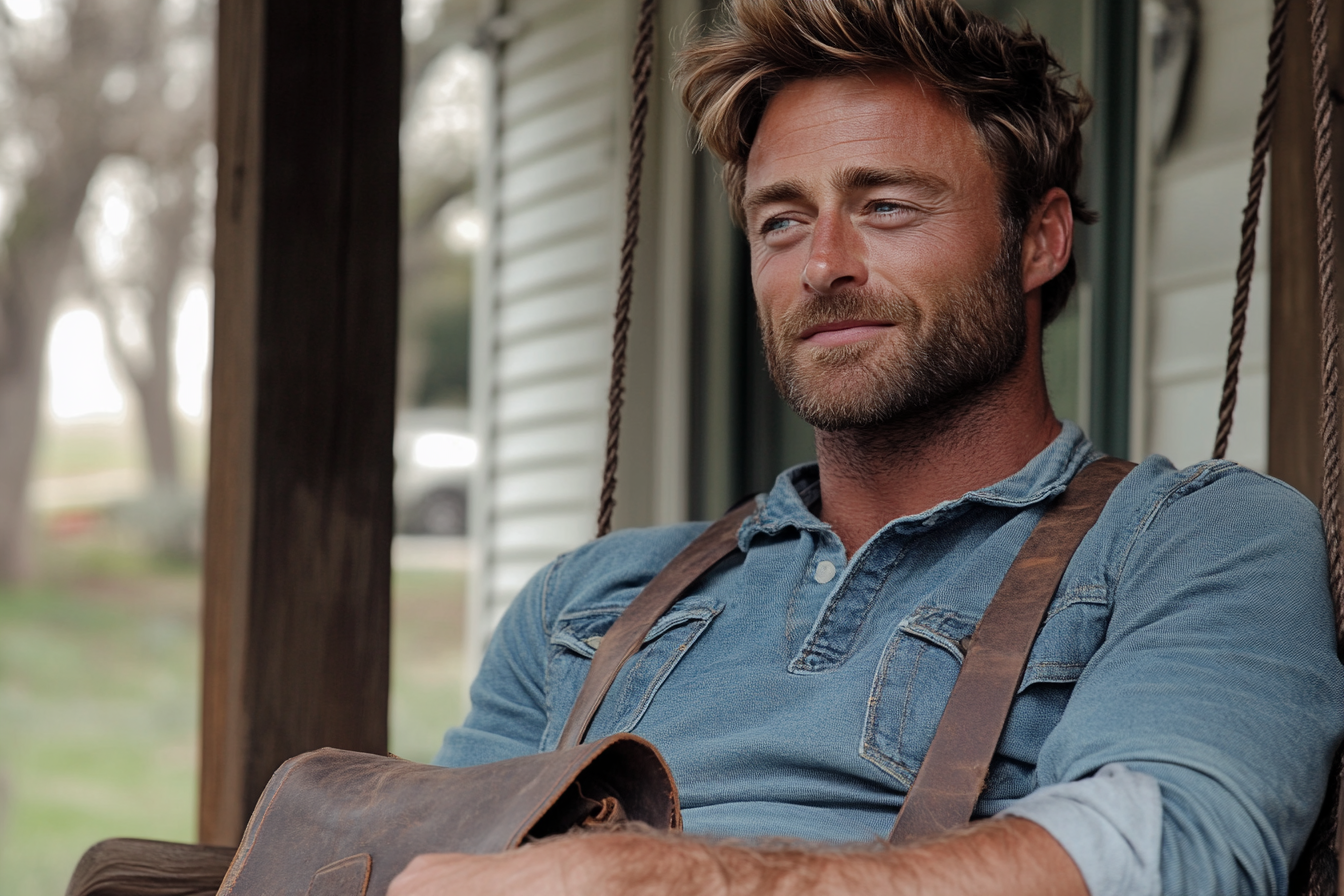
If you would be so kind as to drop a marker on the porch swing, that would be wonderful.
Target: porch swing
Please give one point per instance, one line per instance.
(147, 868)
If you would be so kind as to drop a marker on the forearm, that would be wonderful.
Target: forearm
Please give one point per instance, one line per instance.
(995, 858)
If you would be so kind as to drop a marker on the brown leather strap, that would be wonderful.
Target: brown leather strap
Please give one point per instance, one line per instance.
(626, 635)
(953, 772)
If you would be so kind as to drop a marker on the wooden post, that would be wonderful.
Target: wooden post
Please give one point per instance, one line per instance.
(1294, 313)
(299, 515)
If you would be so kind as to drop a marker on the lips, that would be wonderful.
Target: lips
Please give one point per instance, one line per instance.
(843, 332)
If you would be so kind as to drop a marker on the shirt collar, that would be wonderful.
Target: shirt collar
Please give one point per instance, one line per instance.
(1045, 476)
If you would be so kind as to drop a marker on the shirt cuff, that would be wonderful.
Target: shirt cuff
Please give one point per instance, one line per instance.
(1110, 825)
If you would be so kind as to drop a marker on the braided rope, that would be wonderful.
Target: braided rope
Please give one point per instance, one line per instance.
(1322, 128)
(642, 69)
(1323, 133)
(1250, 222)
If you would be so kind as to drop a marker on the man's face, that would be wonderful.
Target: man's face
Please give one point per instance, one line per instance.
(885, 283)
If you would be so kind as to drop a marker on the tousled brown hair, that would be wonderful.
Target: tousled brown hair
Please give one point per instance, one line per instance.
(1010, 85)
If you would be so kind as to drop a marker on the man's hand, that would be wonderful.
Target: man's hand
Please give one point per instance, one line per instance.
(1004, 857)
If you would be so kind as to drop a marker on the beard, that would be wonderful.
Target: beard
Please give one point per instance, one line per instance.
(952, 351)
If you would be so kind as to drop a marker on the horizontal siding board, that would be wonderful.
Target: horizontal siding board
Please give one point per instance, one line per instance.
(1185, 418)
(1190, 328)
(587, 304)
(526, 274)
(542, 532)
(583, 438)
(535, 9)
(510, 578)
(582, 165)
(543, 134)
(552, 355)
(545, 89)
(540, 223)
(1197, 222)
(585, 395)
(546, 43)
(558, 486)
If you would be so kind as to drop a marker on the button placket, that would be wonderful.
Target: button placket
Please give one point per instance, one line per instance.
(854, 589)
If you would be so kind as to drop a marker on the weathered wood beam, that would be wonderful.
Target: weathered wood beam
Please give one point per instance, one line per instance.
(299, 514)
(1294, 313)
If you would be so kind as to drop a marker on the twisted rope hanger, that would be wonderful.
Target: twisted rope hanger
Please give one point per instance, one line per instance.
(641, 70)
(1325, 855)
(1322, 130)
(1322, 126)
(1323, 133)
(1250, 222)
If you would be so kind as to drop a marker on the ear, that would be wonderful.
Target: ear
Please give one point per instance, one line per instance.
(1048, 241)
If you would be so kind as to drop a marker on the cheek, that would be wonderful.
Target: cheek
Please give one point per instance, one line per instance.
(933, 258)
(774, 278)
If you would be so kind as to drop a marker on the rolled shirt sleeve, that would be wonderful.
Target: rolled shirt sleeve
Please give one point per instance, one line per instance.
(1110, 825)
(1218, 679)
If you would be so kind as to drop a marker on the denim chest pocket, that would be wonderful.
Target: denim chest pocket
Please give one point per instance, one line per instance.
(574, 641)
(920, 664)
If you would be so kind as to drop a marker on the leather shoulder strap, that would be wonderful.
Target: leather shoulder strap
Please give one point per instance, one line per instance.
(952, 775)
(626, 635)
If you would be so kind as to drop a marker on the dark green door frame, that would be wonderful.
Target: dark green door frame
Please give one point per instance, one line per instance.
(1109, 262)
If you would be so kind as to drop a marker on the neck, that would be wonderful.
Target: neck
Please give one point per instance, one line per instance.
(876, 474)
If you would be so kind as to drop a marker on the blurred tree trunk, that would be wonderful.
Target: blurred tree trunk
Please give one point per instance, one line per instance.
(36, 252)
(152, 376)
(67, 124)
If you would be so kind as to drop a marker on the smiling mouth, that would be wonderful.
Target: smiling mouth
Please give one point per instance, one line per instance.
(843, 332)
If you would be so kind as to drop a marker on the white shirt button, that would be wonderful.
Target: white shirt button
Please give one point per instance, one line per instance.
(825, 572)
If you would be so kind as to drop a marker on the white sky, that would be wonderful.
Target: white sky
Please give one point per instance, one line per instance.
(81, 384)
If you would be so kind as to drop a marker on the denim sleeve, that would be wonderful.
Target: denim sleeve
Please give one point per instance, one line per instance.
(508, 696)
(1217, 677)
(1110, 825)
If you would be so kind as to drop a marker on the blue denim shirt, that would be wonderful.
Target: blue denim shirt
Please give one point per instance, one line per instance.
(795, 693)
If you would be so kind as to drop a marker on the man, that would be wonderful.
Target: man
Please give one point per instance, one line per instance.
(906, 175)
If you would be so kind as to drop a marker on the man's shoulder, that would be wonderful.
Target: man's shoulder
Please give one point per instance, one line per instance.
(1156, 487)
(608, 572)
(1210, 516)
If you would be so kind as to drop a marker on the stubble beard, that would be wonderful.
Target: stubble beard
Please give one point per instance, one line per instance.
(950, 354)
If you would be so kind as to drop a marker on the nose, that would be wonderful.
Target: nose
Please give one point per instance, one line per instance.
(837, 259)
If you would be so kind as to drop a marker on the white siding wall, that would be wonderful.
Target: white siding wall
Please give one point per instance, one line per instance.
(544, 299)
(554, 188)
(1195, 200)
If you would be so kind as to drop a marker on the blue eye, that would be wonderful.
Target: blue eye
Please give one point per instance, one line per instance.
(774, 225)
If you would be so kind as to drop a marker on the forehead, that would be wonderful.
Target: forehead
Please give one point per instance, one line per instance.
(878, 120)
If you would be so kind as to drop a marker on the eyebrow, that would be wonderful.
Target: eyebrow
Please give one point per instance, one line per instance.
(848, 180)
(859, 178)
(782, 191)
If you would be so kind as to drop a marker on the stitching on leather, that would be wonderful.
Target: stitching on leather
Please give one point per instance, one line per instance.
(250, 838)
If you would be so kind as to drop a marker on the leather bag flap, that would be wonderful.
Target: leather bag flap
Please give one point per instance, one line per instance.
(328, 806)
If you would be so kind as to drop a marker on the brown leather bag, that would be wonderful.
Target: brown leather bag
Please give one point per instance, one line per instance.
(335, 823)
(338, 823)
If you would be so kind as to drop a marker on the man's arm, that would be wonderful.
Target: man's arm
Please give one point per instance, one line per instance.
(1001, 857)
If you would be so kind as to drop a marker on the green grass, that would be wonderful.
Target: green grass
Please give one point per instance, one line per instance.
(72, 449)
(428, 689)
(99, 693)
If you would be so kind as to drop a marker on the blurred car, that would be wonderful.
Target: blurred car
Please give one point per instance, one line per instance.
(434, 453)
